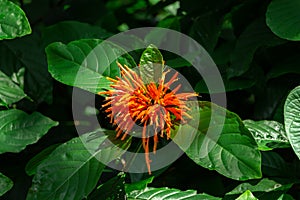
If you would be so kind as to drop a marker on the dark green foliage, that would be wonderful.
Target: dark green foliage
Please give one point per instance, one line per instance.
(47, 47)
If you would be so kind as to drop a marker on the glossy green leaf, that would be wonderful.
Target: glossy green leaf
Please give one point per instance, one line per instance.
(283, 18)
(10, 92)
(167, 194)
(18, 129)
(5, 184)
(264, 185)
(233, 153)
(151, 64)
(268, 134)
(68, 31)
(34, 162)
(292, 119)
(13, 21)
(86, 63)
(256, 35)
(73, 169)
(247, 196)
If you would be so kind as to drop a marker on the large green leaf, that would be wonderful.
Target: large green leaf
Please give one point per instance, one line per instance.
(13, 22)
(247, 196)
(167, 194)
(10, 92)
(256, 35)
(151, 64)
(283, 18)
(292, 119)
(18, 129)
(72, 170)
(34, 162)
(5, 184)
(233, 153)
(86, 63)
(268, 134)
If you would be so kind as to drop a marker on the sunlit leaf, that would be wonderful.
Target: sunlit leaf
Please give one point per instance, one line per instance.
(167, 194)
(268, 134)
(86, 63)
(247, 196)
(13, 21)
(10, 92)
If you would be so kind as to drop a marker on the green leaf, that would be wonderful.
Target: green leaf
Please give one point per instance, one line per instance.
(292, 119)
(5, 184)
(13, 22)
(140, 185)
(68, 31)
(18, 129)
(9, 91)
(268, 134)
(233, 153)
(283, 19)
(264, 185)
(28, 52)
(34, 162)
(151, 64)
(247, 196)
(86, 63)
(73, 169)
(255, 35)
(167, 194)
(112, 189)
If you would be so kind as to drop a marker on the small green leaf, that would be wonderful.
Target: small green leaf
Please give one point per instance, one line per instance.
(34, 162)
(264, 185)
(151, 64)
(233, 153)
(292, 119)
(167, 194)
(86, 63)
(283, 19)
(247, 196)
(268, 134)
(73, 169)
(5, 184)
(13, 21)
(18, 129)
(9, 91)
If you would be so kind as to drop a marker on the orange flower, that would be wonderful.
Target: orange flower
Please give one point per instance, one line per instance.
(154, 106)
